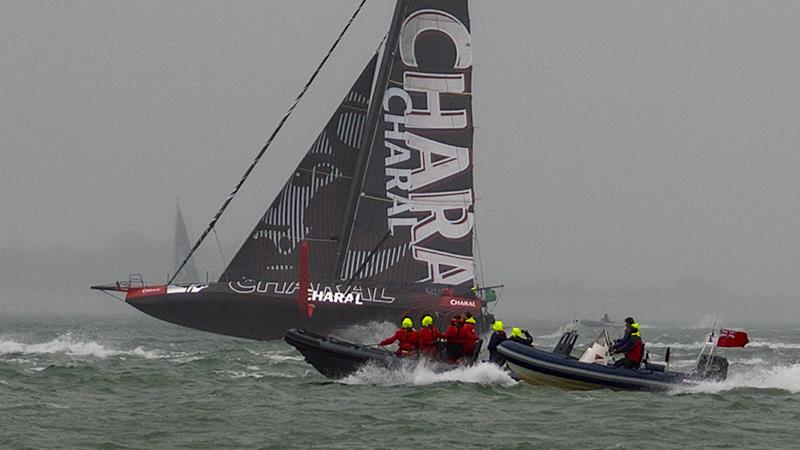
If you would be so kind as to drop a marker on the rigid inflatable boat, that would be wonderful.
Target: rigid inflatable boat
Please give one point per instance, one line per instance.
(558, 368)
(336, 358)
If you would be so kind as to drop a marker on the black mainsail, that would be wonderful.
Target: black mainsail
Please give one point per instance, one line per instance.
(383, 201)
(417, 186)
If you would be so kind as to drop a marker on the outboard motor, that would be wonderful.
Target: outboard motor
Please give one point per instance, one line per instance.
(712, 367)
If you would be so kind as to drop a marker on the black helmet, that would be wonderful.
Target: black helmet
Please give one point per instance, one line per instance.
(629, 320)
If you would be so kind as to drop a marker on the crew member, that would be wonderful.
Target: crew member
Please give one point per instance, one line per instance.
(468, 336)
(517, 336)
(631, 345)
(406, 338)
(497, 338)
(453, 346)
(427, 338)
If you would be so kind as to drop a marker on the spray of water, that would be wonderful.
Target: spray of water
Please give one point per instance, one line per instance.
(70, 345)
(367, 333)
(781, 377)
(422, 373)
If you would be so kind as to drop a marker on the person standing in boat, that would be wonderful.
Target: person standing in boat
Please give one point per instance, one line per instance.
(427, 338)
(631, 345)
(517, 336)
(406, 338)
(497, 338)
(453, 346)
(468, 336)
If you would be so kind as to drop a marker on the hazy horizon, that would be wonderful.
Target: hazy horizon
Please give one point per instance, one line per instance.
(637, 158)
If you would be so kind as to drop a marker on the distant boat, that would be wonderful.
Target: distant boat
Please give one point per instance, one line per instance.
(376, 222)
(604, 322)
(182, 248)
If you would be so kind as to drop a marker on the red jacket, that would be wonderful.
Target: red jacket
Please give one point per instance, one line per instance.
(635, 354)
(468, 338)
(407, 341)
(426, 340)
(452, 335)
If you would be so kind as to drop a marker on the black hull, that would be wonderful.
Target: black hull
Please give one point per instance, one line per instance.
(267, 317)
(336, 358)
(252, 317)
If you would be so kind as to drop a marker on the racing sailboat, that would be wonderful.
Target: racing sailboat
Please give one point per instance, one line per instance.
(376, 222)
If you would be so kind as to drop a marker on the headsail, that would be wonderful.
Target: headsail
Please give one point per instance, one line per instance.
(310, 205)
(417, 187)
(182, 247)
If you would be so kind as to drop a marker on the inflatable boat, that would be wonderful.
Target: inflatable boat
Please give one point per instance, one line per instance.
(558, 368)
(336, 358)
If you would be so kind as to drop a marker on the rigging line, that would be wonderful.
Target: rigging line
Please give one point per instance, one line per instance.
(478, 251)
(269, 142)
(368, 258)
(374, 115)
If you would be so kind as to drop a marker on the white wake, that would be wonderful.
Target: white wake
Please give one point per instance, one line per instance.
(70, 345)
(422, 373)
(781, 377)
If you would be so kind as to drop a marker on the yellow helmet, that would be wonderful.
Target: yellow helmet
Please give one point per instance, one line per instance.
(498, 325)
(516, 332)
(427, 320)
(635, 327)
(470, 320)
(407, 323)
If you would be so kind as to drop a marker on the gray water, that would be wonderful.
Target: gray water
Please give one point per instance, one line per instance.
(141, 383)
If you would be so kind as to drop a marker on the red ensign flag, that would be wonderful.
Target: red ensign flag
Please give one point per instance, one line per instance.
(732, 338)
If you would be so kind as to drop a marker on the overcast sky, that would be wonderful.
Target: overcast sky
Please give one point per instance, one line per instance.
(629, 152)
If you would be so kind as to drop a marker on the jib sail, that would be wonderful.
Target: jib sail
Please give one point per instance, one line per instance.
(310, 205)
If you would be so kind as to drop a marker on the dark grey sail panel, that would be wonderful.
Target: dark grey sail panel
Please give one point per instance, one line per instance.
(418, 183)
(310, 204)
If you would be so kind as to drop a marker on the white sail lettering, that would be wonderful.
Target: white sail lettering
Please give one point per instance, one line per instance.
(397, 154)
(433, 85)
(398, 178)
(438, 206)
(433, 20)
(445, 268)
(451, 160)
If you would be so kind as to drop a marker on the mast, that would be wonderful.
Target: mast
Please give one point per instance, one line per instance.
(370, 128)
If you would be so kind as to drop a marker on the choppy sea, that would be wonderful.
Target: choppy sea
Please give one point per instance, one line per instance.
(135, 382)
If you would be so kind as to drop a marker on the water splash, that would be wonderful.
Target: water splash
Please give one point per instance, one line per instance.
(70, 345)
(254, 374)
(783, 377)
(773, 345)
(276, 356)
(423, 373)
(368, 333)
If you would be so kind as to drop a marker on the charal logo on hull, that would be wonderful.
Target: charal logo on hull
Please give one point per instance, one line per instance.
(317, 292)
